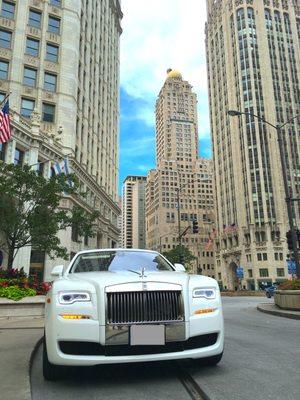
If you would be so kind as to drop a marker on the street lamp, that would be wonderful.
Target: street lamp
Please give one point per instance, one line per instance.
(288, 199)
(160, 244)
(178, 189)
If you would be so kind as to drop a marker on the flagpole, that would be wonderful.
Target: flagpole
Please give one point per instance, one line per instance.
(51, 159)
(5, 98)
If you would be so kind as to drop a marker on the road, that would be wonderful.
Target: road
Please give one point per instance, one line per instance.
(261, 361)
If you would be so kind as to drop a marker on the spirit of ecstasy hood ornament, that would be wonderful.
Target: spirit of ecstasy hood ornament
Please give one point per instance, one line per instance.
(142, 273)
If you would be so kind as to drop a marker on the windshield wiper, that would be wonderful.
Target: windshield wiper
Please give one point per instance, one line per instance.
(141, 273)
(135, 272)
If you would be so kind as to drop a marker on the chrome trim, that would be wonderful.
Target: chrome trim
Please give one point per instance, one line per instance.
(120, 334)
(140, 286)
(139, 307)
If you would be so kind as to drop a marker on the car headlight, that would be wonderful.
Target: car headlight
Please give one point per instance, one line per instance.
(206, 293)
(72, 297)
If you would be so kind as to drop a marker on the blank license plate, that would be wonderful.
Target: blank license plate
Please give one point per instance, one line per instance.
(141, 335)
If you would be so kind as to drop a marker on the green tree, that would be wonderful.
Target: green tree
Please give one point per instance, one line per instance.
(180, 254)
(30, 214)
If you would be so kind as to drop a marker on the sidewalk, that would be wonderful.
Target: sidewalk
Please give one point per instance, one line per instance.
(271, 308)
(18, 338)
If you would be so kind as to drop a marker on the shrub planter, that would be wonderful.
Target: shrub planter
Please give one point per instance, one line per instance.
(287, 299)
(27, 307)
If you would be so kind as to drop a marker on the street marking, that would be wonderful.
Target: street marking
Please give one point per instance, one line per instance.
(191, 386)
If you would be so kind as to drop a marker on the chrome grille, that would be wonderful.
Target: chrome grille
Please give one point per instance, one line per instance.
(150, 306)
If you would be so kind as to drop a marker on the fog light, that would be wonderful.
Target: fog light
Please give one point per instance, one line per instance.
(74, 316)
(205, 311)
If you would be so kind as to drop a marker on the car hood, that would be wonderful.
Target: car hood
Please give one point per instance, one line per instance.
(126, 280)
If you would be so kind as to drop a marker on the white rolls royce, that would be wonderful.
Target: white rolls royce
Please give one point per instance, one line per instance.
(125, 305)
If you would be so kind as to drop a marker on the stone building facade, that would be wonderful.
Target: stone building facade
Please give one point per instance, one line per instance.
(253, 61)
(133, 212)
(179, 169)
(60, 60)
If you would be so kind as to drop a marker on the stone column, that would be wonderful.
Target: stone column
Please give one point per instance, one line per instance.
(35, 130)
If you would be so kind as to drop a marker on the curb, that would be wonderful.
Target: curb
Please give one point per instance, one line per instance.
(278, 312)
(32, 355)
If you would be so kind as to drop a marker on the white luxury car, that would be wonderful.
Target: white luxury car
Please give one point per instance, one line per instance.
(121, 306)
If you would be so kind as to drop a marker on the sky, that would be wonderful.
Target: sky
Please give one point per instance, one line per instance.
(158, 35)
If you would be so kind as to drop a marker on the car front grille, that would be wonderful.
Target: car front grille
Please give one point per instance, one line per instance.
(147, 306)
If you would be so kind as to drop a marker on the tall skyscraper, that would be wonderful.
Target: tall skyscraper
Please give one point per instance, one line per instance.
(133, 212)
(180, 172)
(253, 61)
(60, 60)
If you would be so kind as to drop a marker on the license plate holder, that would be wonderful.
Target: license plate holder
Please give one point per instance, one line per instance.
(147, 335)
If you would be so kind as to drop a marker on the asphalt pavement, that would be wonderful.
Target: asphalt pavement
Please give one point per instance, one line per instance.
(261, 358)
(18, 337)
(261, 361)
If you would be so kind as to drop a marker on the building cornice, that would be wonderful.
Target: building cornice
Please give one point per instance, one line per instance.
(116, 7)
(51, 148)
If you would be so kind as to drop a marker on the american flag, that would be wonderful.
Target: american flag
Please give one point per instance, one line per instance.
(5, 129)
(209, 244)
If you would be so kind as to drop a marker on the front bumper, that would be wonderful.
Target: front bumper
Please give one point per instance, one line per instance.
(109, 344)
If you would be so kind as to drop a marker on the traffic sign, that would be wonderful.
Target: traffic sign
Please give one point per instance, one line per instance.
(291, 267)
(240, 272)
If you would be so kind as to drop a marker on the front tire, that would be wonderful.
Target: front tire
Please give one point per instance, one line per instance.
(268, 295)
(51, 372)
(210, 361)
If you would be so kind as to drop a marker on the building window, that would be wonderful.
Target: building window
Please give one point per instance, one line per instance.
(32, 47)
(19, 157)
(37, 264)
(2, 151)
(263, 272)
(74, 233)
(48, 112)
(280, 271)
(34, 18)
(86, 240)
(5, 39)
(265, 256)
(40, 167)
(27, 107)
(56, 3)
(2, 96)
(51, 52)
(30, 77)
(250, 273)
(8, 9)
(54, 25)
(50, 82)
(3, 69)
(259, 256)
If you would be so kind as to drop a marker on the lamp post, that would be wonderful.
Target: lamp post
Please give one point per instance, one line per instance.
(178, 189)
(160, 244)
(288, 199)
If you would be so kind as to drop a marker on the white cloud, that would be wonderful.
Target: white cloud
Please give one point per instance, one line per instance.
(163, 34)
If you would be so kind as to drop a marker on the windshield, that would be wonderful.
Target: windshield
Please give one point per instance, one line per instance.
(118, 260)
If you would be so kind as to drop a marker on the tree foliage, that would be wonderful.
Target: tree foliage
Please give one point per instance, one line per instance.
(30, 214)
(180, 254)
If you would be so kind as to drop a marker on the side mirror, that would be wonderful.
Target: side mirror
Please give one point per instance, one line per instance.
(179, 267)
(57, 271)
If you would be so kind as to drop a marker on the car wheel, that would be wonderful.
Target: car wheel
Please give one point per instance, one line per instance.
(51, 372)
(210, 361)
(268, 295)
